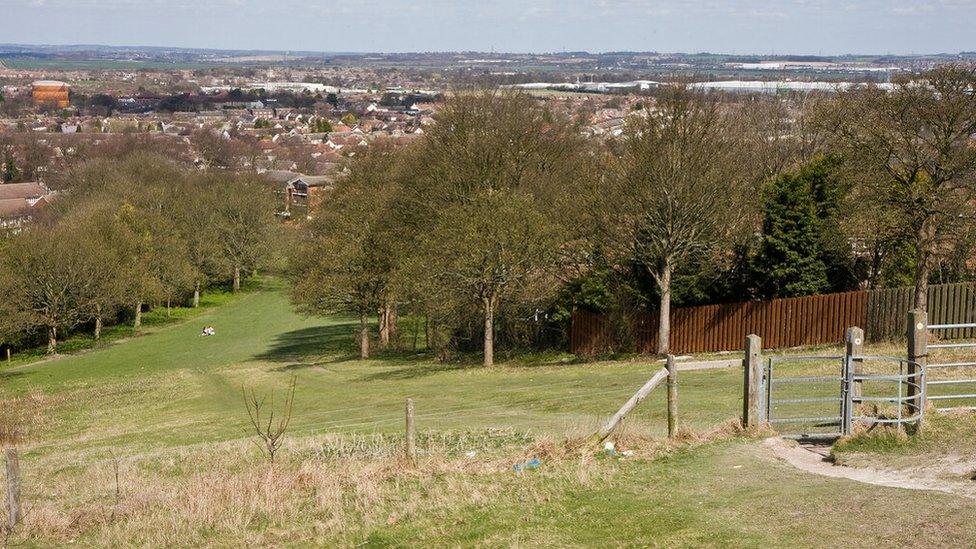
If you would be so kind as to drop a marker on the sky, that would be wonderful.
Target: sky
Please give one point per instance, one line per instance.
(825, 27)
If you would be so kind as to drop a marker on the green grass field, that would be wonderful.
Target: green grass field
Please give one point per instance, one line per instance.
(165, 409)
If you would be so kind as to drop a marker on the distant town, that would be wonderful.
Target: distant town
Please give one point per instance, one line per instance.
(295, 116)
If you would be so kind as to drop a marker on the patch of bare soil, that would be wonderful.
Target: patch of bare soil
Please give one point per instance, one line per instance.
(930, 476)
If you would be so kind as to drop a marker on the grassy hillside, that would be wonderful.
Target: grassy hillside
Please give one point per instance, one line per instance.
(144, 443)
(174, 387)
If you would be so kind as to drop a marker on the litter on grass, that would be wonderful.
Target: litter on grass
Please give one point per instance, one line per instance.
(533, 463)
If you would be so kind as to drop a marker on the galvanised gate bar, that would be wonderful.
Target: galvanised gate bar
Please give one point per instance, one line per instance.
(826, 396)
(952, 385)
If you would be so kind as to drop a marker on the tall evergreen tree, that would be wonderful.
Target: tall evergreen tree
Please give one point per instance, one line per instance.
(789, 260)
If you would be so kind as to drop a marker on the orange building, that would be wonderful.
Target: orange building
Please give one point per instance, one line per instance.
(50, 92)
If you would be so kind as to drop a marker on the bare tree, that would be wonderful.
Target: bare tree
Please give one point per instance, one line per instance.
(680, 188)
(912, 151)
(262, 414)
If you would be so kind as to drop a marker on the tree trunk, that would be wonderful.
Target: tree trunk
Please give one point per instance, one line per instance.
(196, 295)
(920, 299)
(98, 322)
(168, 307)
(363, 336)
(489, 306)
(384, 327)
(416, 333)
(237, 278)
(664, 312)
(137, 323)
(52, 340)
(388, 324)
(922, 268)
(392, 320)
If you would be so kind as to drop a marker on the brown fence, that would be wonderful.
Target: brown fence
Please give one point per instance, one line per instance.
(948, 304)
(811, 320)
(781, 323)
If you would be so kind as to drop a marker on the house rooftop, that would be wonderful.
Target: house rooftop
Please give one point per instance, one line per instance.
(13, 207)
(22, 191)
(281, 176)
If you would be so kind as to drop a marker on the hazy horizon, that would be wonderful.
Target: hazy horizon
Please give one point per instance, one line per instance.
(490, 52)
(760, 27)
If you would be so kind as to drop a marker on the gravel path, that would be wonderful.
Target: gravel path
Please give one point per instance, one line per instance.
(814, 458)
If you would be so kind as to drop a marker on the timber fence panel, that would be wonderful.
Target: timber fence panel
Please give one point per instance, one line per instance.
(790, 322)
(948, 304)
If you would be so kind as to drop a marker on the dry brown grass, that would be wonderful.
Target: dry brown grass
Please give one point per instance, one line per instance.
(327, 490)
(230, 492)
(21, 417)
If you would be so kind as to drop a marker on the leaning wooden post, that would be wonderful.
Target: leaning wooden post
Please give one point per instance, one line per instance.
(411, 438)
(752, 375)
(631, 403)
(918, 333)
(855, 352)
(672, 397)
(14, 509)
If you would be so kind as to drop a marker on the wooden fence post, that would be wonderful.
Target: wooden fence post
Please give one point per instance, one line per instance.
(411, 437)
(752, 374)
(672, 397)
(14, 510)
(918, 332)
(631, 403)
(855, 348)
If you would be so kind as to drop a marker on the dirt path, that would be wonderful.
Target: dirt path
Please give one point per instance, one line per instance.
(814, 459)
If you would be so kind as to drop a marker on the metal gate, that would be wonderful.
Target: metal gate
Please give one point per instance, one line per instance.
(805, 395)
(825, 396)
(953, 381)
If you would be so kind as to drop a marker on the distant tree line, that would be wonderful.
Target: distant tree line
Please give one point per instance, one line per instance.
(503, 219)
(125, 235)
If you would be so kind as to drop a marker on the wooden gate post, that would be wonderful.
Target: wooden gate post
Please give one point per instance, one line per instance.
(14, 509)
(855, 350)
(672, 397)
(752, 374)
(918, 334)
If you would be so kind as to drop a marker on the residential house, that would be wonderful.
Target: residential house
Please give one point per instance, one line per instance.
(301, 193)
(20, 203)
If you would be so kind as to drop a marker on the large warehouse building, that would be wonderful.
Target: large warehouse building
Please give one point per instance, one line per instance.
(50, 92)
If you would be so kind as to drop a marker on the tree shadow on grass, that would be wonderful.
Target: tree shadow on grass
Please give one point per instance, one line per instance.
(330, 344)
(309, 347)
(318, 346)
(467, 361)
(10, 374)
(415, 371)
